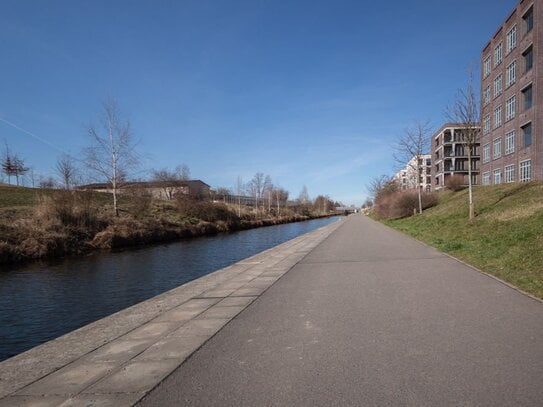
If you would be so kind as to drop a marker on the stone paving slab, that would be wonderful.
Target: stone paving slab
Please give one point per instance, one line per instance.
(115, 361)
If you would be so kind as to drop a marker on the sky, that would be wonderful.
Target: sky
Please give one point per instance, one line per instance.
(310, 92)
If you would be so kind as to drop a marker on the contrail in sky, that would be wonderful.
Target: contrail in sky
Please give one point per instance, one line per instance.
(34, 136)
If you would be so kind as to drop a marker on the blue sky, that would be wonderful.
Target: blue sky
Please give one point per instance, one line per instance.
(311, 92)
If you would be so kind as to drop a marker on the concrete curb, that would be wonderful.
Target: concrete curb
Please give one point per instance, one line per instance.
(117, 360)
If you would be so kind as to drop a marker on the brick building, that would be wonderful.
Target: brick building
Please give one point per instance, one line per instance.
(511, 98)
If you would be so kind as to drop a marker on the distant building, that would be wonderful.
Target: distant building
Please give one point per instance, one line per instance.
(401, 179)
(450, 157)
(408, 178)
(159, 189)
(512, 98)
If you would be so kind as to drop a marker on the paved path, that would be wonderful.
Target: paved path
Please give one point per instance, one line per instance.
(371, 318)
(115, 361)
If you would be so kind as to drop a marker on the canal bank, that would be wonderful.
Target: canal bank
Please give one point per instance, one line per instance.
(43, 301)
(117, 360)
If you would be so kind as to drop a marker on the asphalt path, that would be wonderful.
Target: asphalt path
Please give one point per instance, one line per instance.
(371, 318)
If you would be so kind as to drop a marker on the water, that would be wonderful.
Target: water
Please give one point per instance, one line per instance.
(43, 301)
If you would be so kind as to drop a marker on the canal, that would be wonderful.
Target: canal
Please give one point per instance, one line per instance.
(43, 301)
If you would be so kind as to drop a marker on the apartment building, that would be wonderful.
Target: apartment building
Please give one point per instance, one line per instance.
(511, 98)
(450, 157)
(401, 179)
(407, 177)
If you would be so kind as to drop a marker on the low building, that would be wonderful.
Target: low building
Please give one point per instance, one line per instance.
(158, 189)
(450, 157)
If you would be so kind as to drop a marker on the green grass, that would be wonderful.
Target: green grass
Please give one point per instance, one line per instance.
(505, 239)
(12, 196)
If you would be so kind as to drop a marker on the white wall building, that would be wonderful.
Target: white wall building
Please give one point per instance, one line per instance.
(416, 173)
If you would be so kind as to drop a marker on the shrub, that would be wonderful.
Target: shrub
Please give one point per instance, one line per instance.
(206, 211)
(402, 204)
(141, 201)
(67, 209)
(455, 183)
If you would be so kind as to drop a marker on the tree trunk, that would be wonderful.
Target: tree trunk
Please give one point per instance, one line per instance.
(420, 198)
(470, 187)
(419, 184)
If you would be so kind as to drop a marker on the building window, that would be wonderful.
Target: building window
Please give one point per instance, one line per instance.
(527, 134)
(528, 59)
(486, 124)
(527, 94)
(511, 39)
(510, 108)
(529, 20)
(486, 95)
(525, 171)
(497, 148)
(497, 176)
(497, 117)
(510, 173)
(498, 54)
(487, 66)
(498, 85)
(486, 153)
(511, 73)
(510, 142)
(486, 178)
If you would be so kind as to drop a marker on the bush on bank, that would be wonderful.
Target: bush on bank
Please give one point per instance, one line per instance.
(401, 204)
(69, 222)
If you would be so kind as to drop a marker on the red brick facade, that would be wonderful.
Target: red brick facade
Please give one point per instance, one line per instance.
(508, 120)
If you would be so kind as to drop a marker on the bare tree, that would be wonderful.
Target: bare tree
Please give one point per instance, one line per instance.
(47, 182)
(222, 193)
(167, 180)
(239, 188)
(368, 203)
(280, 196)
(465, 110)
(66, 170)
(267, 191)
(256, 187)
(8, 164)
(19, 169)
(303, 198)
(183, 172)
(323, 203)
(378, 184)
(410, 149)
(111, 155)
(13, 166)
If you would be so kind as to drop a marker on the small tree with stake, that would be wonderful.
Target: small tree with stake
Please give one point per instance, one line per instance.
(410, 148)
(465, 110)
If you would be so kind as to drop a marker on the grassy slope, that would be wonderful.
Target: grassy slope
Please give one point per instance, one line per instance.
(506, 238)
(11, 196)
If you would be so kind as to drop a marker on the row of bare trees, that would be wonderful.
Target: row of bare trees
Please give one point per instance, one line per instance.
(414, 144)
(111, 157)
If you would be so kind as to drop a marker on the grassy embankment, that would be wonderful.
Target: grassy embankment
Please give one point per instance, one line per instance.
(38, 224)
(505, 239)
